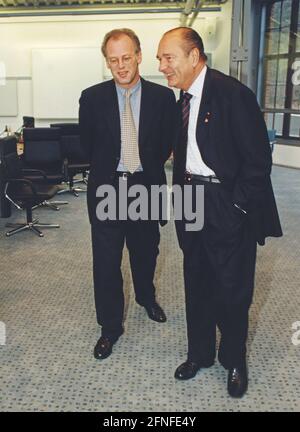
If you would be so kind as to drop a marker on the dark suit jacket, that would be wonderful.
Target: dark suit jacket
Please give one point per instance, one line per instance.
(233, 141)
(100, 133)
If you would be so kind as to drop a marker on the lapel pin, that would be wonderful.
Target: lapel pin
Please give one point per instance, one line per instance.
(207, 117)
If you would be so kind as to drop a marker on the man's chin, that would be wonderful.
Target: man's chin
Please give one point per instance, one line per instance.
(124, 81)
(172, 83)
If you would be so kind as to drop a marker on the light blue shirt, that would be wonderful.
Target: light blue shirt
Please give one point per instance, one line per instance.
(135, 101)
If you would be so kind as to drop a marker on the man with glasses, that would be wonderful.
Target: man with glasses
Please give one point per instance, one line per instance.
(125, 128)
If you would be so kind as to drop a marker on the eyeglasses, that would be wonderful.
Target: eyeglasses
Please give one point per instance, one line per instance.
(115, 62)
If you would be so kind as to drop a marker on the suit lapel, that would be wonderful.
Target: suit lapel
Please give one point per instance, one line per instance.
(147, 110)
(204, 115)
(113, 114)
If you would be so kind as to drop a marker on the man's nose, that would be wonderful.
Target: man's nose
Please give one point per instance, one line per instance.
(162, 65)
(121, 63)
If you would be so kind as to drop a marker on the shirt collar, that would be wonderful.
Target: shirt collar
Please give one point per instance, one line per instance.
(196, 88)
(133, 89)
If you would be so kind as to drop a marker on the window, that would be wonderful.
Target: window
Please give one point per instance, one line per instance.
(281, 97)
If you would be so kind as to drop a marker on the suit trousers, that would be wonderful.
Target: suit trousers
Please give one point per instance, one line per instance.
(219, 269)
(108, 239)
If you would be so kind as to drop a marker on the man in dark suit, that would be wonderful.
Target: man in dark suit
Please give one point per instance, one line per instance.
(222, 146)
(125, 129)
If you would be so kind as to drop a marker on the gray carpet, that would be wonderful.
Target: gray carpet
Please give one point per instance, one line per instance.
(47, 305)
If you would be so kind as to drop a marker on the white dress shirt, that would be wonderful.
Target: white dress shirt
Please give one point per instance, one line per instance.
(194, 161)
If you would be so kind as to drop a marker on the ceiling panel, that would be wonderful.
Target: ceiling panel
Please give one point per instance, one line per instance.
(56, 7)
(75, 3)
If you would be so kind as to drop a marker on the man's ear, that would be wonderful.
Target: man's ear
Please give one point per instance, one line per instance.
(139, 57)
(195, 56)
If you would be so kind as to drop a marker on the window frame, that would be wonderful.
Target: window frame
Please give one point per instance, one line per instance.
(291, 56)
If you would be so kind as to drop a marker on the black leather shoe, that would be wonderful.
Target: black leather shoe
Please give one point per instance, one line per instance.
(103, 348)
(156, 313)
(187, 370)
(237, 383)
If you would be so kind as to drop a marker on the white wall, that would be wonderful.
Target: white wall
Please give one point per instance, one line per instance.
(18, 36)
(286, 155)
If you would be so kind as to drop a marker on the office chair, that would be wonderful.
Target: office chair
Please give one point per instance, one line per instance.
(21, 192)
(28, 122)
(75, 160)
(43, 151)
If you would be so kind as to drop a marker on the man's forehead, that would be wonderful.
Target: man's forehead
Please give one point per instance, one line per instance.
(176, 35)
(170, 42)
(122, 40)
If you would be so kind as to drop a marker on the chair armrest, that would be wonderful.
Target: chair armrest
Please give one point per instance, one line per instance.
(34, 171)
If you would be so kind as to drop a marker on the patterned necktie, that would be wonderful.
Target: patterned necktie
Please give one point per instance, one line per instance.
(130, 146)
(185, 111)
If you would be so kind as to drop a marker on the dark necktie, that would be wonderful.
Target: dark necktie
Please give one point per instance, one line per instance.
(185, 111)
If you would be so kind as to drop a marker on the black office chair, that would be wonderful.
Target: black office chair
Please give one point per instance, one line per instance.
(75, 160)
(28, 122)
(43, 151)
(20, 191)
